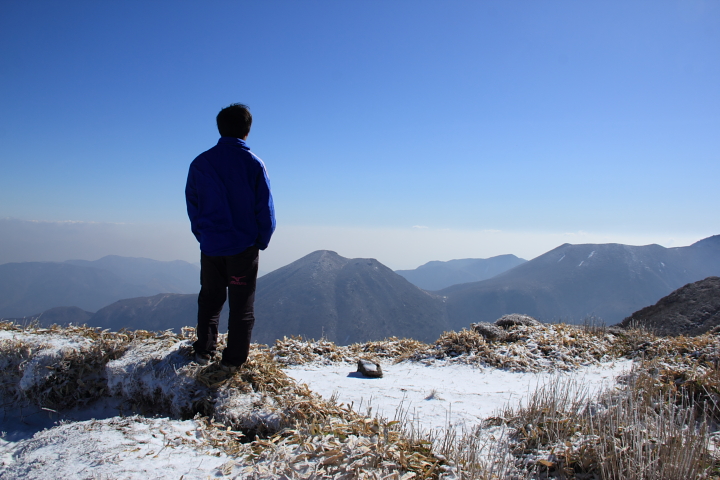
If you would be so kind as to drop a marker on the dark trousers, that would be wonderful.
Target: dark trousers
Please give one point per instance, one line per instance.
(233, 277)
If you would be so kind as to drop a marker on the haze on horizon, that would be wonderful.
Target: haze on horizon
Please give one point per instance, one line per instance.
(404, 131)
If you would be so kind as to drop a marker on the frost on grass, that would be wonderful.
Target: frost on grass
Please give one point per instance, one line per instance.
(153, 373)
(658, 424)
(634, 432)
(156, 373)
(55, 368)
(526, 347)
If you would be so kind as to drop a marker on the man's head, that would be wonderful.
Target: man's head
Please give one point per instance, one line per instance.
(234, 121)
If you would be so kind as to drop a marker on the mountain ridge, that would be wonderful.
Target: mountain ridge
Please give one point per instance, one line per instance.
(612, 280)
(348, 300)
(436, 275)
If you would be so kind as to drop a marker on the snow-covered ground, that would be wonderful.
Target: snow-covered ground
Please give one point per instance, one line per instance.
(104, 439)
(436, 395)
(41, 444)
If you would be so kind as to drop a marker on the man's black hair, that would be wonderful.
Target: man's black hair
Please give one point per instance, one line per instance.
(234, 121)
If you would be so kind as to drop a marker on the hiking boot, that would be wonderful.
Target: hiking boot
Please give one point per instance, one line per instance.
(202, 358)
(228, 368)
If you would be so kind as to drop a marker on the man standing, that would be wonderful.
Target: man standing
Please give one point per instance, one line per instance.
(232, 216)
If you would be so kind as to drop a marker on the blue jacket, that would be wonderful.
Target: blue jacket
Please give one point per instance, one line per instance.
(228, 199)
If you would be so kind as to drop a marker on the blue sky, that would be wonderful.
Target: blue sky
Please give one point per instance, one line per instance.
(407, 131)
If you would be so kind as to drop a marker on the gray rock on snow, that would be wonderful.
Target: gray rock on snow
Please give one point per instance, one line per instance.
(369, 368)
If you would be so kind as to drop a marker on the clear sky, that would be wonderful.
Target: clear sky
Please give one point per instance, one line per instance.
(407, 131)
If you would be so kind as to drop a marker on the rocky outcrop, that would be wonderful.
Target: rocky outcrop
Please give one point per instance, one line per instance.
(690, 310)
(496, 332)
(490, 331)
(516, 319)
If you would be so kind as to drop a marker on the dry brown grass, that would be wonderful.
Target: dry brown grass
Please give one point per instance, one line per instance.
(654, 428)
(644, 431)
(526, 348)
(297, 351)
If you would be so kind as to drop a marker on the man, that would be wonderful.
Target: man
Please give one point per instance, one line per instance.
(232, 216)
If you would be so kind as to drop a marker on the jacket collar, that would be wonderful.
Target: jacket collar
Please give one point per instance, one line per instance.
(233, 141)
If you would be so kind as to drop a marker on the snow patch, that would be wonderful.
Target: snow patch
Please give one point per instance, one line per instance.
(463, 394)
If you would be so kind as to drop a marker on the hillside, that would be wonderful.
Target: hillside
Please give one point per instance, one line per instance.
(437, 275)
(33, 287)
(344, 300)
(160, 312)
(573, 281)
(693, 309)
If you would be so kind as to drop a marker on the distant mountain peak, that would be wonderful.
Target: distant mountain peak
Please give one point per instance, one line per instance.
(345, 300)
(322, 253)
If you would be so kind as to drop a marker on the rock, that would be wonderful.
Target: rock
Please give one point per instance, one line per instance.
(369, 368)
(516, 319)
(490, 331)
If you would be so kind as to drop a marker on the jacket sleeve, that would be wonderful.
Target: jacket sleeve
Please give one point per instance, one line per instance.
(191, 200)
(264, 209)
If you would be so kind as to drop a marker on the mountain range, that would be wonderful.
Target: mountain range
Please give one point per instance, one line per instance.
(163, 311)
(353, 300)
(570, 282)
